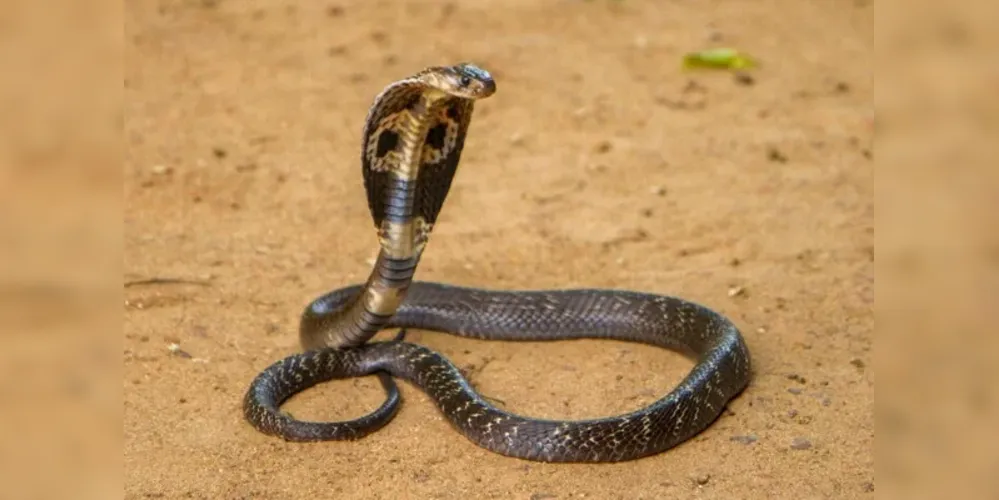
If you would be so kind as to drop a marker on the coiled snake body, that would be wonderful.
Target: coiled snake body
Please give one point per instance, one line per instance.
(412, 141)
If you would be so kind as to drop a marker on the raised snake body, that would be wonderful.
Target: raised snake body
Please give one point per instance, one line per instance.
(413, 138)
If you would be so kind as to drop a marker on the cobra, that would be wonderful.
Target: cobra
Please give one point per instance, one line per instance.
(412, 142)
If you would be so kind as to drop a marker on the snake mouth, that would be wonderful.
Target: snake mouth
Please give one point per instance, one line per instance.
(483, 90)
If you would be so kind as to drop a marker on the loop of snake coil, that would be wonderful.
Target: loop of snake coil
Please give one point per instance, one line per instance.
(413, 138)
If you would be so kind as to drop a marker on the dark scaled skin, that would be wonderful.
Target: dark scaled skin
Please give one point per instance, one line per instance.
(335, 328)
(722, 370)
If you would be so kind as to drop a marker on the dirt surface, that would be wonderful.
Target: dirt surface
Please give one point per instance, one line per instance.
(598, 163)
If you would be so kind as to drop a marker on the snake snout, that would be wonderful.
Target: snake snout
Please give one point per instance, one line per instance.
(472, 82)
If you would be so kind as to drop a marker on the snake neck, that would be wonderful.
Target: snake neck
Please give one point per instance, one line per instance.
(366, 313)
(401, 234)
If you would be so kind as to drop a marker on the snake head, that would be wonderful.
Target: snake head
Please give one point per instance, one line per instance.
(464, 80)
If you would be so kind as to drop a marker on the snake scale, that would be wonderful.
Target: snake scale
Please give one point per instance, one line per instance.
(412, 140)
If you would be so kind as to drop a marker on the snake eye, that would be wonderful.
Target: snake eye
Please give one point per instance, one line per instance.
(464, 81)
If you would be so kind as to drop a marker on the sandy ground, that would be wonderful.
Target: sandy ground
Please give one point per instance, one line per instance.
(598, 163)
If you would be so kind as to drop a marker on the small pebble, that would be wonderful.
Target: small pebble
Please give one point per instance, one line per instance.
(161, 169)
(702, 479)
(736, 291)
(800, 443)
(747, 439)
(794, 390)
(177, 351)
(658, 190)
(775, 155)
(693, 86)
(744, 78)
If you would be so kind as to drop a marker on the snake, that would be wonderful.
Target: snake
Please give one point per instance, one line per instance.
(412, 140)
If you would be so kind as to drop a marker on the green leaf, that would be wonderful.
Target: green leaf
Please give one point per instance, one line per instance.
(718, 59)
